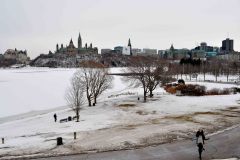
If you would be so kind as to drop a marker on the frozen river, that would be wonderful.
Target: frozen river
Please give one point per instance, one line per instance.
(30, 89)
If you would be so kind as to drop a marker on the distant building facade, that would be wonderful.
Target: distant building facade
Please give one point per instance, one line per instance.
(227, 46)
(71, 49)
(162, 53)
(149, 51)
(18, 55)
(106, 51)
(136, 51)
(174, 54)
(232, 57)
(227, 51)
(144, 52)
(122, 50)
(204, 51)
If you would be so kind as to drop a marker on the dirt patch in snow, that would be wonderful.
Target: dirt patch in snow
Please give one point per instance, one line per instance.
(207, 113)
(126, 105)
(186, 117)
(144, 127)
(151, 132)
(142, 112)
(157, 139)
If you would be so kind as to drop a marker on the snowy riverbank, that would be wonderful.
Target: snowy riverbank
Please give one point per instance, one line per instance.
(119, 121)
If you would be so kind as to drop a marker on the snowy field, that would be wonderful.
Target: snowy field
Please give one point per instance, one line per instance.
(38, 93)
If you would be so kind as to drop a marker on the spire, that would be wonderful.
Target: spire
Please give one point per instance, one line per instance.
(129, 42)
(172, 48)
(79, 41)
(130, 46)
(71, 43)
(57, 48)
(79, 36)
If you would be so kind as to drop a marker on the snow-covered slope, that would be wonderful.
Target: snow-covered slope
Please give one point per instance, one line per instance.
(117, 113)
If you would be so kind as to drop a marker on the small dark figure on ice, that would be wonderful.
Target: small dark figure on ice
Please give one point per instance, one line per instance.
(55, 117)
(200, 150)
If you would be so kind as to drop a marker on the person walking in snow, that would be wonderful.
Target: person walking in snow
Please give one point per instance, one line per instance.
(55, 117)
(200, 150)
(203, 136)
(198, 134)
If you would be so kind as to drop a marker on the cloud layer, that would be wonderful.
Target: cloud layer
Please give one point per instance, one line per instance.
(38, 25)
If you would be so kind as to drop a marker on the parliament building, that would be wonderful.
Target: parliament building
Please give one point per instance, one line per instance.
(72, 50)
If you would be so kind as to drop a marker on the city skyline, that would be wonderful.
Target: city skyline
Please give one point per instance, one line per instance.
(38, 26)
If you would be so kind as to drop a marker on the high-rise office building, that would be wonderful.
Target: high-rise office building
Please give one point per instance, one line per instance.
(227, 45)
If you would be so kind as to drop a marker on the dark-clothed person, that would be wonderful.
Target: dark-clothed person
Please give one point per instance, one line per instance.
(55, 117)
(200, 150)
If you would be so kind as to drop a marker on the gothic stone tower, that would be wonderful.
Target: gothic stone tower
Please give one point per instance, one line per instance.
(79, 41)
(71, 48)
(57, 48)
(71, 45)
(130, 46)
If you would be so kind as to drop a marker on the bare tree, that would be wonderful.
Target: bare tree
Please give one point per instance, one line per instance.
(74, 94)
(167, 72)
(234, 66)
(95, 79)
(216, 67)
(204, 69)
(146, 73)
(136, 74)
(87, 77)
(155, 74)
(101, 82)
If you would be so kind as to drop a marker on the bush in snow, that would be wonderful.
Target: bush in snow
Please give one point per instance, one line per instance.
(192, 90)
(187, 90)
(216, 91)
(195, 90)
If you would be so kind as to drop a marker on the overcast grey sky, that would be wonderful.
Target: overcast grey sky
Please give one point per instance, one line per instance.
(37, 25)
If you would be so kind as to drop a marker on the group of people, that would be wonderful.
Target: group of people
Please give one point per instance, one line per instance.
(200, 140)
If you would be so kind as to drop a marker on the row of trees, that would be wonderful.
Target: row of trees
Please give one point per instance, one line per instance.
(93, 79)
(90, 81)
(213, 67)
(147, 73)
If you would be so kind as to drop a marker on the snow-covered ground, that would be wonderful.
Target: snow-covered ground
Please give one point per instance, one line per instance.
(162, 119)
